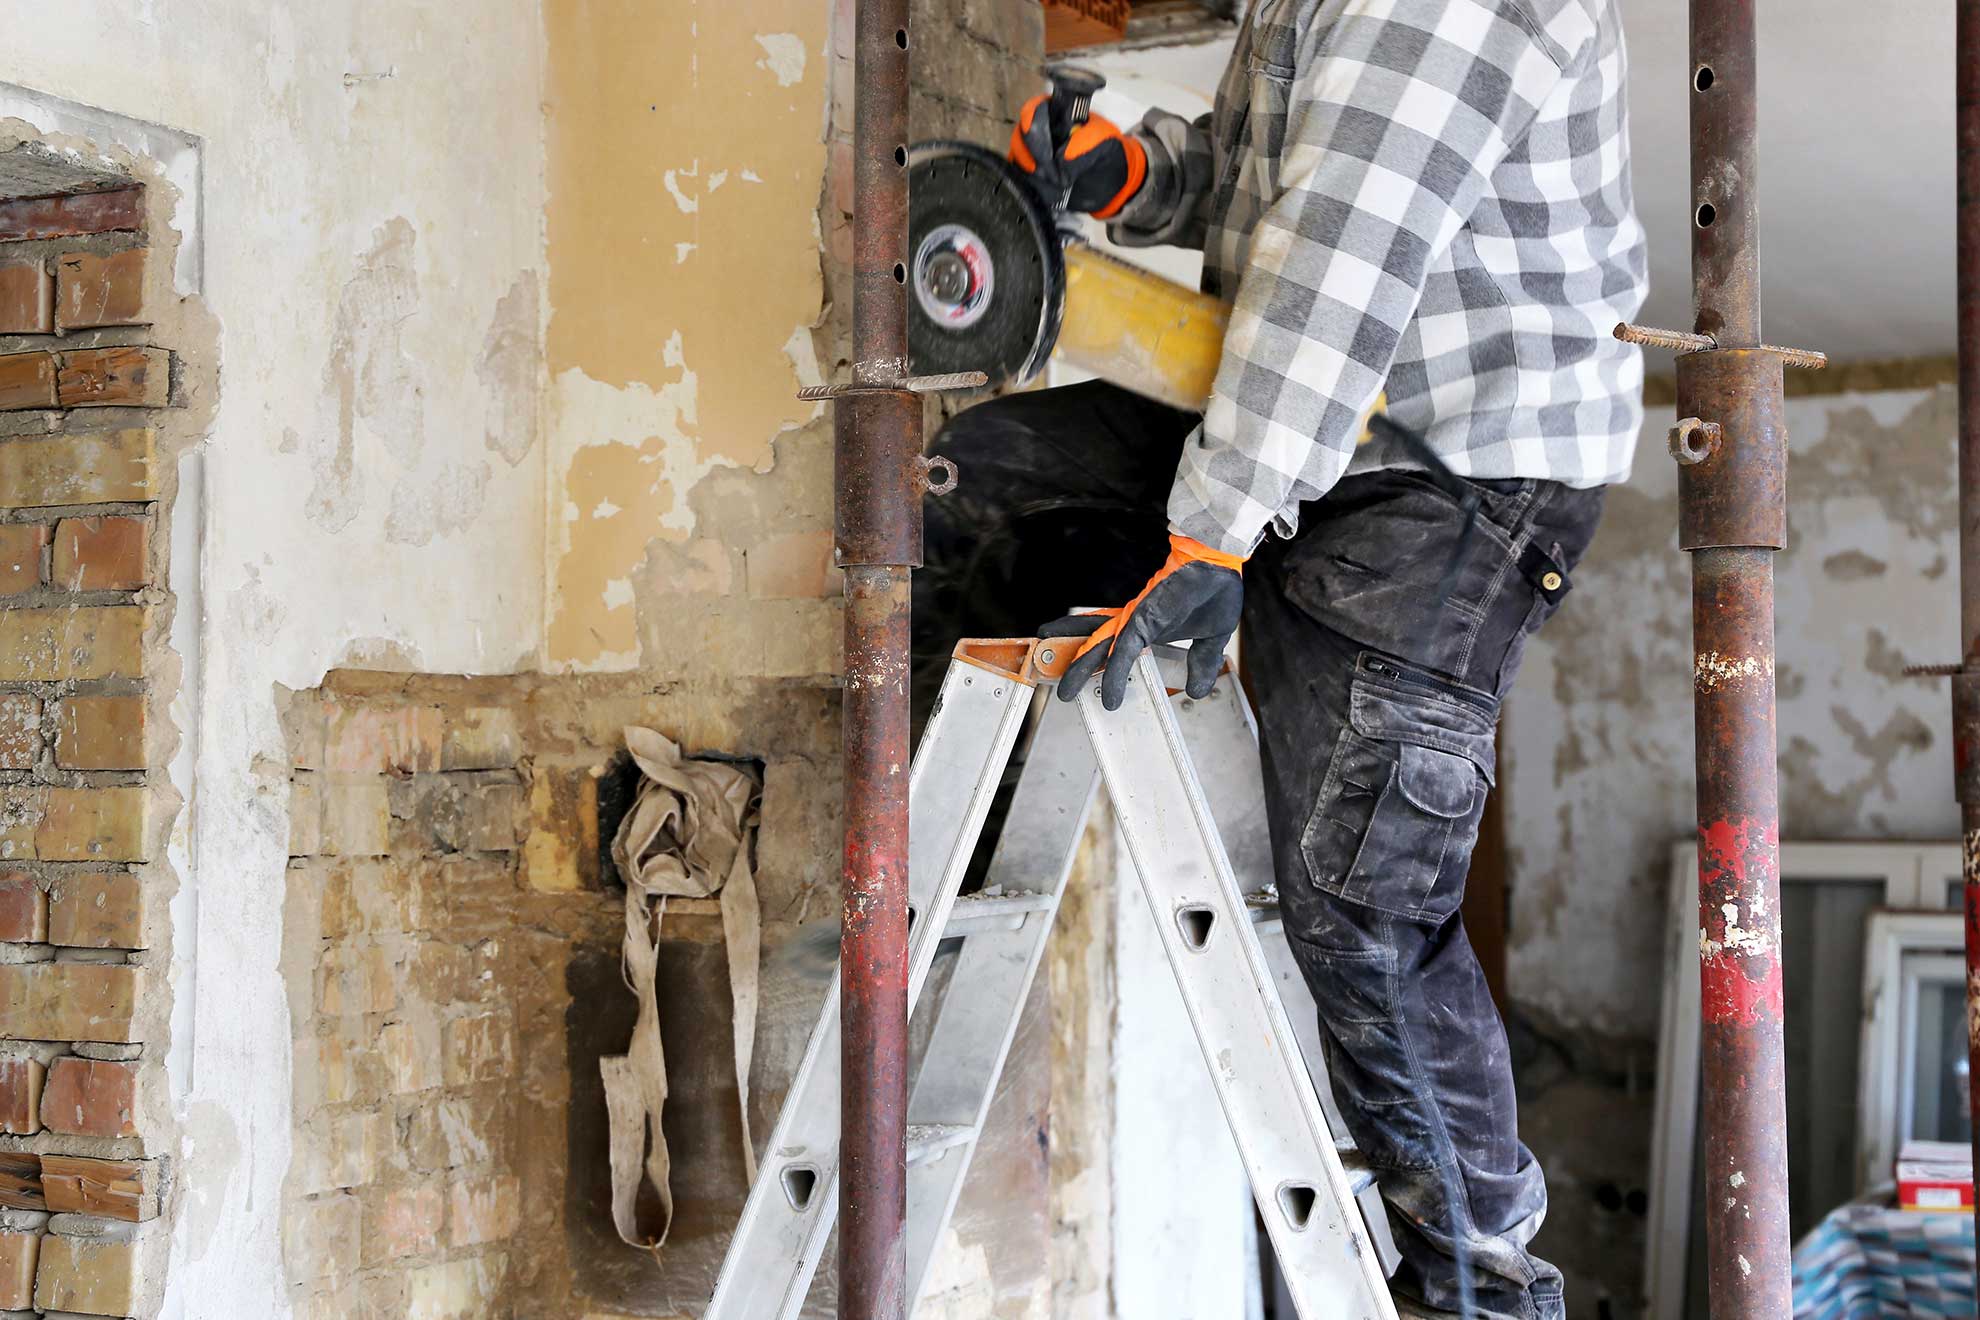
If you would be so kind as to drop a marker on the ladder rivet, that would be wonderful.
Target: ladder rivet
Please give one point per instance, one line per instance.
(998, 693)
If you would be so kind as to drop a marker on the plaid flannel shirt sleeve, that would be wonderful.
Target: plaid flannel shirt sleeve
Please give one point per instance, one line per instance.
(1390, 140)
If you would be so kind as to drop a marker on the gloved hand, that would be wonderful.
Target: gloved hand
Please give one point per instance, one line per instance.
(1093, 168)
(1197, 597)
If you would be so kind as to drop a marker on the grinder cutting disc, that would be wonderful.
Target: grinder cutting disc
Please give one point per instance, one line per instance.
(986, 276)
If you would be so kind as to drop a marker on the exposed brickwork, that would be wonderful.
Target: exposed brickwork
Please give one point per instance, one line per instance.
(408, 1055)
(93, 1276)
(20, 730)
(23, 552)
(98, 289)
(124, 1190)
(130, 377)
(434, 924)
(23, 909)
(19, 1254)
(27, 304)
(68, 1001)
(101, 554)
(101, 733)
(81, 815)
(90, 1098)
(97, 910)
(100, 467)
(27, 380)
(21, 1081)
(68, 217)
(72, 644)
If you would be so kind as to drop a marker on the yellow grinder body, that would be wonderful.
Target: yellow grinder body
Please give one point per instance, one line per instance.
(997, 285)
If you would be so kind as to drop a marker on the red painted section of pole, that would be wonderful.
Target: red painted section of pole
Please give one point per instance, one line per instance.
(1742, 1053)
(1966, 684)
(878, 489)
(1732, 519)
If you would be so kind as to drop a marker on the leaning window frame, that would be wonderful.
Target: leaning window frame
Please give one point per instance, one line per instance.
(1889, 1022)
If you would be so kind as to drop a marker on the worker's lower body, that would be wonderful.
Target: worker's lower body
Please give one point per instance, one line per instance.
(1377, 650)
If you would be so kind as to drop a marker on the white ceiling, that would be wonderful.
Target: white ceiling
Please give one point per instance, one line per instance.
(1856, 160)
(1856, 170)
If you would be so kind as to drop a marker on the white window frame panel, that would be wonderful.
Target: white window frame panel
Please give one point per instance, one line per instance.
(1913, 877)
(1890, 1011)
(1944, 967)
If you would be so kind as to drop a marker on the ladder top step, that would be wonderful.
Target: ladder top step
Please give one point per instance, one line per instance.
(929, 1141)
(977, 912)
(1360, 1177)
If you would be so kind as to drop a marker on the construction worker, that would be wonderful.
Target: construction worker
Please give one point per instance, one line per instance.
(1428, 198)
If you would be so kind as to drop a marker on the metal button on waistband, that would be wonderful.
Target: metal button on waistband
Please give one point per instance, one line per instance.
(1551, 582)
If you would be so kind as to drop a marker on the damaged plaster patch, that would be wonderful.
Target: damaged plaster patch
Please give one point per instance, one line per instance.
(689, 205)
(369, 376)
(1853, 566)
(620, 486)
(729, 279)
(509, 368)
(437, 503)
(783, 56)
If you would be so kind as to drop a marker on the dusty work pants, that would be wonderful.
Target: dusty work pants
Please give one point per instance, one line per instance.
(1378, 651)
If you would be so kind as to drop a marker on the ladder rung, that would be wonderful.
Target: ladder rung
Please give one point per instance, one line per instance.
(973, 913)
(927, 1142)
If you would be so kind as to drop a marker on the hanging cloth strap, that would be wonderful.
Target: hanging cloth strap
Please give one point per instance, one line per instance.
(687, 836)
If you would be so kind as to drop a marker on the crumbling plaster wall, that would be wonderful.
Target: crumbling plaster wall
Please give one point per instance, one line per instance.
(1598, 734)
(1598, 782)
(371, 183)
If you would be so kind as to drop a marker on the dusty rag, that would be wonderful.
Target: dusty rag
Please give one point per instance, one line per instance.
(688, 835)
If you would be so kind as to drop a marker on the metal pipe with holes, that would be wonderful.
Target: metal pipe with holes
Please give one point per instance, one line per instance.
(878, 483)
(1732, 519)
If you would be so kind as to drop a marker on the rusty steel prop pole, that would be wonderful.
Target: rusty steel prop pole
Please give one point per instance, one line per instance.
(1966, 682)
(878, 485)
(1732, 511)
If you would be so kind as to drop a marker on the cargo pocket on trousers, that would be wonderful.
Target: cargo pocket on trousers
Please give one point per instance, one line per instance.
(1400, 803)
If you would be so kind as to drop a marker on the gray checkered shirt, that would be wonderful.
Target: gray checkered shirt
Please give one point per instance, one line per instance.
(1427, 196)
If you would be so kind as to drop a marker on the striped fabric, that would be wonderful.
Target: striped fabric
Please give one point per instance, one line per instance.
(1431, 194)
(1868, 1261)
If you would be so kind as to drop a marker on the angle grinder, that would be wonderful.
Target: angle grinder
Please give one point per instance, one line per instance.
(1002, 281)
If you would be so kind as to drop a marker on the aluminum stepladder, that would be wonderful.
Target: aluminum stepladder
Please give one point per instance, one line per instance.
(1229, 957)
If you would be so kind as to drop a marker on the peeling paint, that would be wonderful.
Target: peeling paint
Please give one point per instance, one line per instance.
(655, 264)
(369, 377)
(1712, 671)
(1598, 737)
(511, 369)
(783, 56)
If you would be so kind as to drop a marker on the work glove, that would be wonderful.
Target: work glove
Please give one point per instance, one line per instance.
(1093, 168)
(1195, 597)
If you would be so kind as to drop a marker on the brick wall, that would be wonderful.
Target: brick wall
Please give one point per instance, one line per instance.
(82, 878)
(452, 954)
(405, 835)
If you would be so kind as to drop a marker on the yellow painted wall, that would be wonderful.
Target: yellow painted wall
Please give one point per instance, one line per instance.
(685, 155)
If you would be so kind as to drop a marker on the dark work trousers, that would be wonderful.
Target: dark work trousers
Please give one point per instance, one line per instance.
(1378, 653)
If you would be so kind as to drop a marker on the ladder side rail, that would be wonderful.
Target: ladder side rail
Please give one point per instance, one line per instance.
(788, 1216)
(1303, 1191)
(978, 1019)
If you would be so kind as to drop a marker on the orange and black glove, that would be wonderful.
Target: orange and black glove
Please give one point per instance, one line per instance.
(1091, 167)
(1196, 597)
